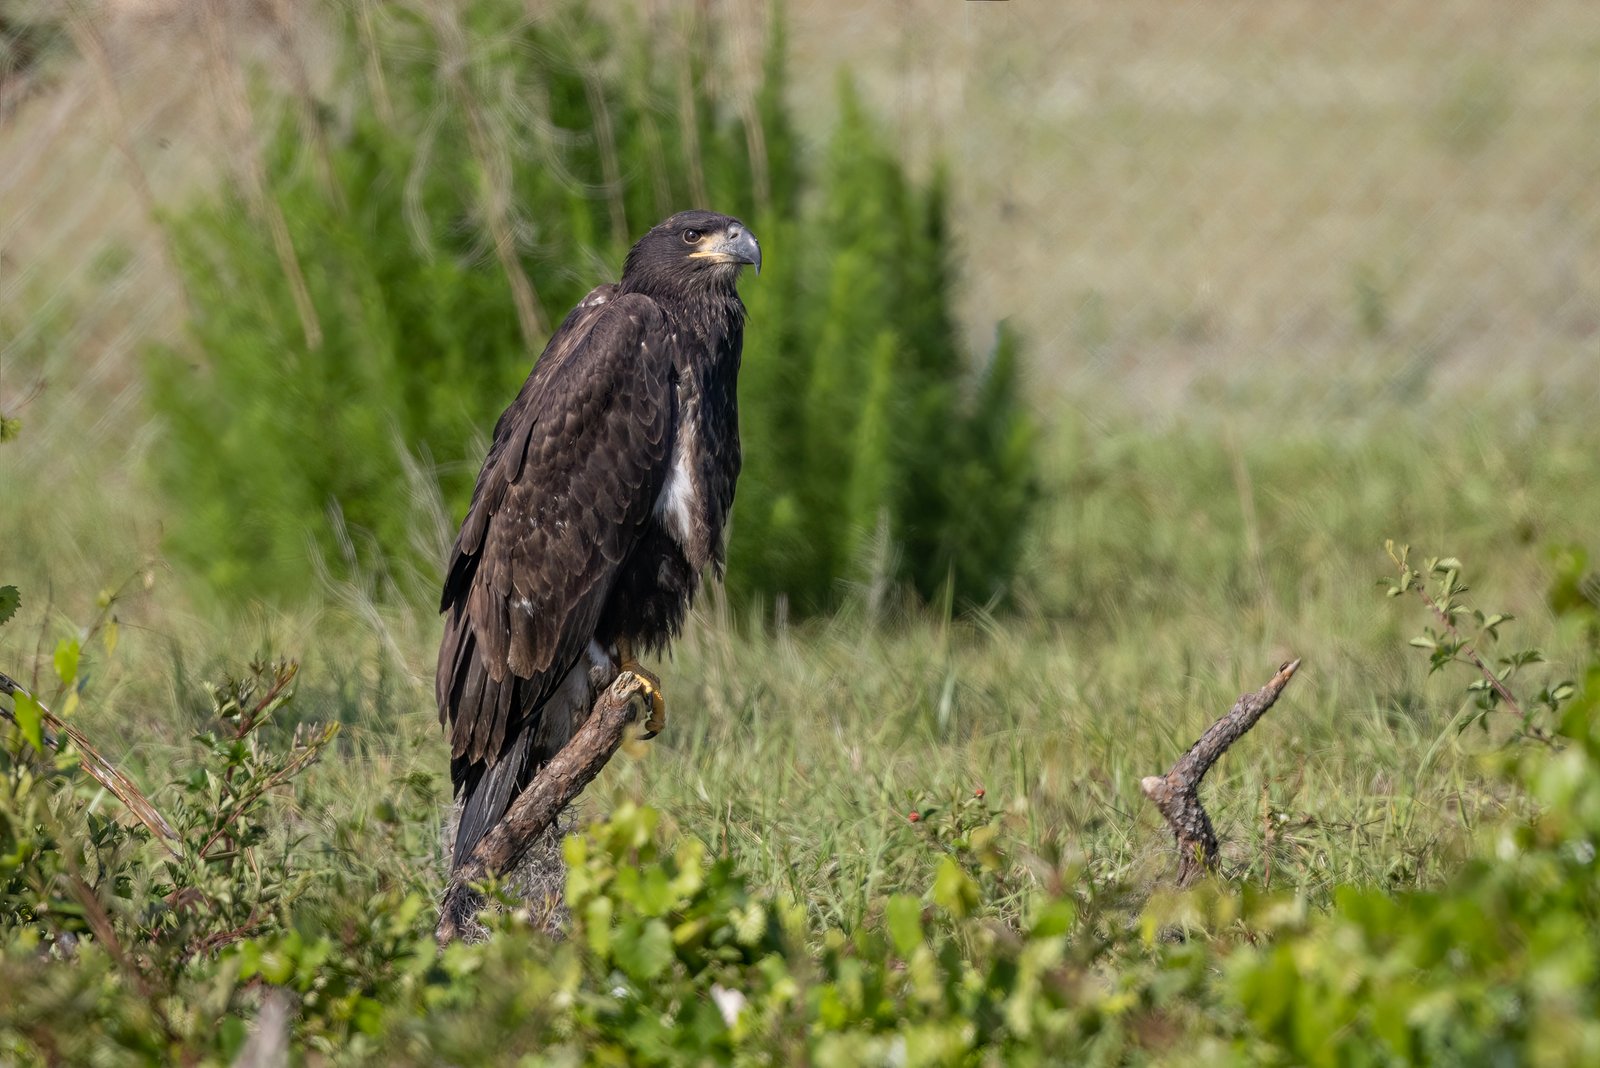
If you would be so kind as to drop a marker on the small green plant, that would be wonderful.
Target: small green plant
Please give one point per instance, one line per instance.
(127, 911)
(1499, 965)
(1574, 591)
(1462, 635)
(10, 417)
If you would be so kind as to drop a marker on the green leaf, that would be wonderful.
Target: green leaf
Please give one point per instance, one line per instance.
(750, 924)
(643, 953)
(1054, 919)
(67, 652)
(954, 889)
(10, 601)
(597, 926)
(903, 916)
(10, 427)
(30, 719)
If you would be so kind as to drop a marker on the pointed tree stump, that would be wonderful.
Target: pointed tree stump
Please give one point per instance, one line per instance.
(1177, 793)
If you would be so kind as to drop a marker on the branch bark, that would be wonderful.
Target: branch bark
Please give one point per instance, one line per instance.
(1177, 793)
(537, 807)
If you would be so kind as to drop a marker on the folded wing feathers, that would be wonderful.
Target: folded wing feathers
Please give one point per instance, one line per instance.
(563, 497)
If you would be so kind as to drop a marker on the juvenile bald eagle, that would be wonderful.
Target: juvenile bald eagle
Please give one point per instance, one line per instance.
(603, 499)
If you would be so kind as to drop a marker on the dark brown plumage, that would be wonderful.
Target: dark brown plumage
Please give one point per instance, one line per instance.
(602, 501)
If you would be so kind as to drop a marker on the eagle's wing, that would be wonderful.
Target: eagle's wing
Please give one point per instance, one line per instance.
(577, 463)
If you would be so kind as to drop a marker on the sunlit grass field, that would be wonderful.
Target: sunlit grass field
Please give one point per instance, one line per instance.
(1172, 569)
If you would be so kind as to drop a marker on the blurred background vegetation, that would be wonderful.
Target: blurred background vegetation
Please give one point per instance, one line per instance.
(370, 293)
(284, 264)
(1097, 352)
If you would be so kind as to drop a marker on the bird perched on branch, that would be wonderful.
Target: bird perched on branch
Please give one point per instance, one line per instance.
(603, 500)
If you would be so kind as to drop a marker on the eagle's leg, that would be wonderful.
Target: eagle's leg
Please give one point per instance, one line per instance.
(650, 683)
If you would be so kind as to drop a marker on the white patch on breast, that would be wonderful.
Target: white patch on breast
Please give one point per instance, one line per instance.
(675, 506)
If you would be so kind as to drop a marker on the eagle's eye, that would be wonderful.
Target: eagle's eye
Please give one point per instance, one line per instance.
(692, 237)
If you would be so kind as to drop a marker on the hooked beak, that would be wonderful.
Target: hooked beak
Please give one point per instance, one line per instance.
(738, 245)
(744, 248)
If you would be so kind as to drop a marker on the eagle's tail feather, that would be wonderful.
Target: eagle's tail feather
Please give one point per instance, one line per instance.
(488, 792)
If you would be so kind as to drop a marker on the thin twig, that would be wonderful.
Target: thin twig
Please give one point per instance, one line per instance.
(1469, 650)
(552, 789)
(98, 767)
(218, 939)
(1177, 794)
(98, 624)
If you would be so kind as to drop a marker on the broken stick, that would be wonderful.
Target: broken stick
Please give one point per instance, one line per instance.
(99, 768)
(1177, 793)
(551, 790)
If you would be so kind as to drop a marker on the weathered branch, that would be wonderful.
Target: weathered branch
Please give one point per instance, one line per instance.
(102, 770)
(1177, 793)
(537, 807)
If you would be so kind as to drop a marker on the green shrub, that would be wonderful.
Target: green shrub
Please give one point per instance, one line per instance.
(1502, 964)
(1499, 966)
(444, 216)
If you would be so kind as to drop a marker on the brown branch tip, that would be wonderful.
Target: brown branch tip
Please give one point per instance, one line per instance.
(1177, 793)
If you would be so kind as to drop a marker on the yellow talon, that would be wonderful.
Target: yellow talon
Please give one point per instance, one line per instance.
(649, 686)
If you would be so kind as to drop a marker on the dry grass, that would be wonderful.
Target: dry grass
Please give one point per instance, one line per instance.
(1163, 195)
(1171, 201)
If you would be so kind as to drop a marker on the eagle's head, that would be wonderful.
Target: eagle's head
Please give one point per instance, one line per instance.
(693, 250)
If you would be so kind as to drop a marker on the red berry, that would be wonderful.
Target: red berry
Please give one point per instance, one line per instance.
(914, 817)
(978, 792)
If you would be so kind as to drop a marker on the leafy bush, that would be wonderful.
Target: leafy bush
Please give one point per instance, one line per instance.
(474, 175)
(125, 926)
(1502, 964)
